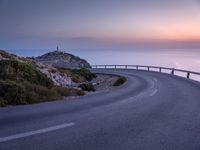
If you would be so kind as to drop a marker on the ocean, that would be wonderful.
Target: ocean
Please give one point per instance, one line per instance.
(187, 59)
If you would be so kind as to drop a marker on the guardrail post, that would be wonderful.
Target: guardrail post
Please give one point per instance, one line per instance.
(136, 67)
(188, 75)
(105, 67)
(148, 68)
(126, 66)
(96, 66)
(115, 66)
(172, 71)
(160, 69)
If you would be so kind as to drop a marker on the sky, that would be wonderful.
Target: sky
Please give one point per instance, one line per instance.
(99, 24)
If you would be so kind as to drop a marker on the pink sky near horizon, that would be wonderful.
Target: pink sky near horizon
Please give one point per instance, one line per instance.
(93, 22)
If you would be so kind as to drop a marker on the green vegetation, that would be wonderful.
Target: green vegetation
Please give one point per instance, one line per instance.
(87, 87)
(7, 55)
(78, 75)
(120, 81)
(85, 73)
(75, 77)
(18, 71)
(21, 83)
(68, 91)
(14, 93)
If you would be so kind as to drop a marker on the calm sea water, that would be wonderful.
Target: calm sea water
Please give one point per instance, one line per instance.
(188, 59)
(181, 59)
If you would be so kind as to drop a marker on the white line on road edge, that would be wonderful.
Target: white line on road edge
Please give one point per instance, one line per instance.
(155, 79)
(40, 131)
(154, 92)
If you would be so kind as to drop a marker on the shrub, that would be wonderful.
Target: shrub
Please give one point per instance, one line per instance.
(87, 87)
(74, 76)
(68, 91)
(78, 75)
(87, 74)
(18, 71)
(12, 93)
(7, 55)
(80, 93)
(2, 102)
(119, 81)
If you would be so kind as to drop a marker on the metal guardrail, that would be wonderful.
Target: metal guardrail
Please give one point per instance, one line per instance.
(138, 67)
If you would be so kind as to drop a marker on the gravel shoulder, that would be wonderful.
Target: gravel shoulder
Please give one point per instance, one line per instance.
(104, 82)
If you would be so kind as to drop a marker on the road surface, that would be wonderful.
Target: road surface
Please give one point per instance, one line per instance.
(152, 111)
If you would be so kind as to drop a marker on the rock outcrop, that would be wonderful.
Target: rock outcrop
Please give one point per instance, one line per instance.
(58, 78)
(62, 59)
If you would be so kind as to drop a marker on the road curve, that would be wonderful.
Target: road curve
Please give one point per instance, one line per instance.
(152, 111)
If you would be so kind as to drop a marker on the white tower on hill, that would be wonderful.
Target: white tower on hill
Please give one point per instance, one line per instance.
(57, 48)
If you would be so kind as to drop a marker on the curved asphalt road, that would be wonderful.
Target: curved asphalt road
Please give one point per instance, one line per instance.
(152, 111)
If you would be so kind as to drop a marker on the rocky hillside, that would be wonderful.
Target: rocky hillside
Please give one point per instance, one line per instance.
(58, 78)
(22, 82)
(62, 59)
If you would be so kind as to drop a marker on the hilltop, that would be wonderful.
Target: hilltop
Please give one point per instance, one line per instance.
(62, 59)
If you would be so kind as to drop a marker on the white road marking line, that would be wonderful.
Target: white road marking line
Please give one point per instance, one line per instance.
(154, 92)
(155, 80)
(40, 131)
